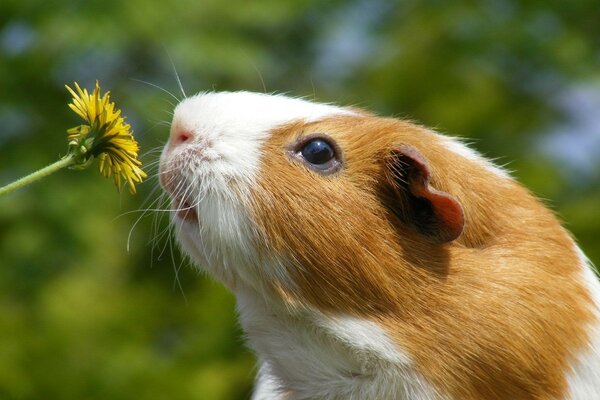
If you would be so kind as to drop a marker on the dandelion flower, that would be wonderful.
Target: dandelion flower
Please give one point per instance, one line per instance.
(106, 136)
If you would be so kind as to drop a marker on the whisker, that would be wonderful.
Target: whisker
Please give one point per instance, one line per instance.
(158, 217)
(136, 223)
(160, 123)
(175, 268)
(157, 149)
(157, 87)
(144, 210)
(158, 236)
(177, 77)
(169, 238)
(175, 71)
(153, 169)
(262, 81)
(177, 281)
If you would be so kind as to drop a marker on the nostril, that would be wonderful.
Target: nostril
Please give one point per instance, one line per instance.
(182, 136)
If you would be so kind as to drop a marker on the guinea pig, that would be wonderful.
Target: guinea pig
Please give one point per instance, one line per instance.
(372, 258)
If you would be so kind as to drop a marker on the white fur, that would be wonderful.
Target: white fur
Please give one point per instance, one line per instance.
(308, 355)
(457, 146)
(584, 377)
(364, 336)
(267, 386)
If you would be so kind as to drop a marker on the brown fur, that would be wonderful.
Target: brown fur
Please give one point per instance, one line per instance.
(496, 314)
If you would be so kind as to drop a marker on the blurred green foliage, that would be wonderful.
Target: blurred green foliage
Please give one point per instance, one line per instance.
(83, 317)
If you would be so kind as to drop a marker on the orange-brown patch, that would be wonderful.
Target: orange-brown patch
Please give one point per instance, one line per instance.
(496, 314)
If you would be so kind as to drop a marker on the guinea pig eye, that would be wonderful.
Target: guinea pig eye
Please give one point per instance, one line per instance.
(319, 153)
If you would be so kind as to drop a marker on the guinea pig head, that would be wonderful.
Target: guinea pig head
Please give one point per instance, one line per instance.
(210, 168)
(320, 204)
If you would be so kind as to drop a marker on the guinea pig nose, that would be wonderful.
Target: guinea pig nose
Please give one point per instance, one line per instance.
(180, 135)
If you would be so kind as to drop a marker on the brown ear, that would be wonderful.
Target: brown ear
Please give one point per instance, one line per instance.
(433, 213)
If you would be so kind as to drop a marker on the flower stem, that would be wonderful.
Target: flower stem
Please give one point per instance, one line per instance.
(34, 176)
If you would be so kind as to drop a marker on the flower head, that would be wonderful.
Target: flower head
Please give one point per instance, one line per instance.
(105, 136)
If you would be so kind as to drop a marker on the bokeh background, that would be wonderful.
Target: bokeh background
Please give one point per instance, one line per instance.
(95, 301)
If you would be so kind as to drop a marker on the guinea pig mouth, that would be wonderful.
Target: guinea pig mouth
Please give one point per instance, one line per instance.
(184, 210)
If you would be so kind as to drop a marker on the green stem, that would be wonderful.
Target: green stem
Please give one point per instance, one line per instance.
(34, 176)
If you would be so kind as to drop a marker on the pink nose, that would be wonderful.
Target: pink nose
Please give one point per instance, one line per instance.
(180, 135)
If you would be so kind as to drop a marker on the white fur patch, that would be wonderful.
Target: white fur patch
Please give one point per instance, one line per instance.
(312, 356)
(365, 336)
(584, 378)
(267, 387)
(454, 144)
(236, 123)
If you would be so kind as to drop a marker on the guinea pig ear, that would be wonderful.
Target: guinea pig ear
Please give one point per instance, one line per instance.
(433, 213)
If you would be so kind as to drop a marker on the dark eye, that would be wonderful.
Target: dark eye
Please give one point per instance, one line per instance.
(317, 152)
